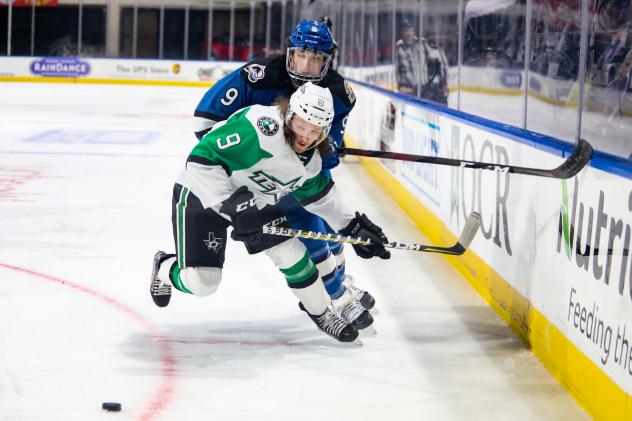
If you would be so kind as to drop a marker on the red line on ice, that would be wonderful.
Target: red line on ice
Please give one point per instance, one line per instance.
(163, 395)
(11, 179)
(226, 342)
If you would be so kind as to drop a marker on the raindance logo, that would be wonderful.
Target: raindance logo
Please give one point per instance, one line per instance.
(255, 72)
(213, 243)
(268, 126)
(29, 3)
(61, 67)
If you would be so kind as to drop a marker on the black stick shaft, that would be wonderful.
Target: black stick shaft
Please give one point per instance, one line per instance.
(573, 164)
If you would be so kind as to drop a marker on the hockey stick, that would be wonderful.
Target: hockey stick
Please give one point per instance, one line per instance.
(470, 229)
(609, 251)
(573, 164)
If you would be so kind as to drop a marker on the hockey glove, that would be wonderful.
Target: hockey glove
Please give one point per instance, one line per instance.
(362, 227)
(243, 212)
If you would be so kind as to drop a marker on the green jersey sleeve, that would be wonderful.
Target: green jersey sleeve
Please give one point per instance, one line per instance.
(234, 145)
(313, 189)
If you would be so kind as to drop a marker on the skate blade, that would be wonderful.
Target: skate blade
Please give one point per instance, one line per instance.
(357, 343)
(368, 332)
(375, 311)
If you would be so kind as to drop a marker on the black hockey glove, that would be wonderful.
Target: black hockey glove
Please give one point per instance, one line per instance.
(362, 227)
(243, 212)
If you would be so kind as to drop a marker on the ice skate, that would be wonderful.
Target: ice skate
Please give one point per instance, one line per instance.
(333, 325)
(361, 295)
(160, 291)
(352, 311)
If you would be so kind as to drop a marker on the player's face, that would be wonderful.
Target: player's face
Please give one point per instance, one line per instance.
(305, 134)
(307, 63)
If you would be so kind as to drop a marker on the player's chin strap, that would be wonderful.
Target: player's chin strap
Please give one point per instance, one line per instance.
(472, 223)
(569, 168)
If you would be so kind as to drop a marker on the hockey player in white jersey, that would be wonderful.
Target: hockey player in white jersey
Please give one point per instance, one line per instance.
(245, 163)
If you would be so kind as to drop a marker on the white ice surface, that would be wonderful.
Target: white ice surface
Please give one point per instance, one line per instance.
(86, 173)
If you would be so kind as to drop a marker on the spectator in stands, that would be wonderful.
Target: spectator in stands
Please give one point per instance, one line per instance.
(435, 87)
(407, 58)
(421, 67)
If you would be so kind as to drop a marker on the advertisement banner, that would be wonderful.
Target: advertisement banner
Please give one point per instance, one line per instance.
(29, 3)
(562, 245)
(60, 67)
(585, 252)
(104, 70)
(419, 133)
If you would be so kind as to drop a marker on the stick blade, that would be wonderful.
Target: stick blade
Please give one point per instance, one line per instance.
(472, 224)
(576, 161)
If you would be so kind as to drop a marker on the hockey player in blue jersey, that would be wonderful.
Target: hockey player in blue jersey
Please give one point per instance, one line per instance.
(262, 81)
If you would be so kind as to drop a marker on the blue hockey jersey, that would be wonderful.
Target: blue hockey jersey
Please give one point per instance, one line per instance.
(262, 81)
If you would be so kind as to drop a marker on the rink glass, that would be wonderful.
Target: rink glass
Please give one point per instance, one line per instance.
(558, 67)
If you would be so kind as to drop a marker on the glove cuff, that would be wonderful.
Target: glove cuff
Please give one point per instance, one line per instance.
(353, 227)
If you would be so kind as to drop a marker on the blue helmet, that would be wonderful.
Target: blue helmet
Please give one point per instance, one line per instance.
(312, 35)
(312, 38)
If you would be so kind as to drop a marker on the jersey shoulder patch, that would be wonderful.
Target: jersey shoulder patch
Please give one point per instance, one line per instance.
(340, 88)
(266, 73)
(268, 125)
(349, 92)
(255, 72)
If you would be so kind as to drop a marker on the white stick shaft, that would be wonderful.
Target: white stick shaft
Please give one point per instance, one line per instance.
(470, 229)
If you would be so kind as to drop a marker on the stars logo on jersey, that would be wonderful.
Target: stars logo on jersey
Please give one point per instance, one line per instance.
(272, 186)
(268, 126)
(255, 72)
(213, 243)
(349, 92)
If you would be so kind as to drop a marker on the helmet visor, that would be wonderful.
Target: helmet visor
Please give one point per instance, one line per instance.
(307, 65)
(306, 135)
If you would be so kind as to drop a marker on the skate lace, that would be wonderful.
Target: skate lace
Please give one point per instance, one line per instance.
(160, 288)
(357, 292)
(352, 310)
(331, 323)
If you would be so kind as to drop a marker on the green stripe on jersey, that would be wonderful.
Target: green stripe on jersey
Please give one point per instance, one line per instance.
(235, 145)
(181, 219)
(301, 271)
(311, 187)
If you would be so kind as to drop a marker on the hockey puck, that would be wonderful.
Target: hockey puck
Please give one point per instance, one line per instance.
(111, 406)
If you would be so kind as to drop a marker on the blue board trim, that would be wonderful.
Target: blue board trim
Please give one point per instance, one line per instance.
(600, 160)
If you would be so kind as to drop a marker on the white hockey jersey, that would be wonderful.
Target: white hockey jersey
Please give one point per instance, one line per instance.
(249, 149)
